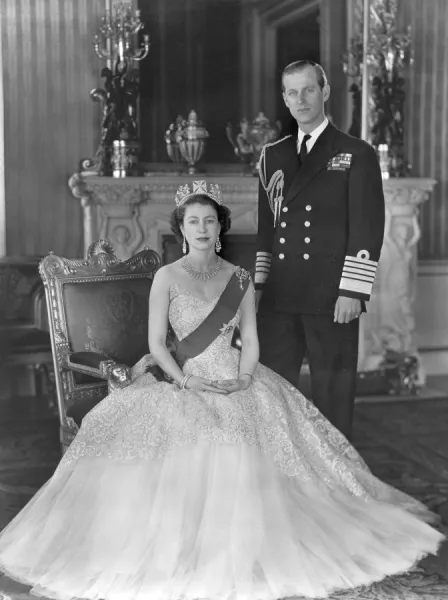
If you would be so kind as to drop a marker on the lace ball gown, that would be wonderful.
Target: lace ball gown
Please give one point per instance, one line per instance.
(173, 494)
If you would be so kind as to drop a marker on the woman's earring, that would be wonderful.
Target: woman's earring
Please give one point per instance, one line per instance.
(218, 245)
(184, 246)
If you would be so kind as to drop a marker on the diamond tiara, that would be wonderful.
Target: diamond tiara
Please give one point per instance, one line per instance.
(198, 188)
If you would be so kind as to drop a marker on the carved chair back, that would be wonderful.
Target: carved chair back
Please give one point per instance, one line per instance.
(97, 305)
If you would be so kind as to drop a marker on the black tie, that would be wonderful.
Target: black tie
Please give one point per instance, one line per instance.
(303, 149)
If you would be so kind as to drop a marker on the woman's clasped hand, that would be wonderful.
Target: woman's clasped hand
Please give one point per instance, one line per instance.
(225, 386)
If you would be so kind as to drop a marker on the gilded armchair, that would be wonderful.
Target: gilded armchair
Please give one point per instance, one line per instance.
(98, 318)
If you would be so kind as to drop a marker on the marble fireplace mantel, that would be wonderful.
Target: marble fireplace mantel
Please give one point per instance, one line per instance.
(135, 212)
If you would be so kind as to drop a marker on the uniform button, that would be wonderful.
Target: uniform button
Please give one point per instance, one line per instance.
(308, 207)
(307, 223)
(285, 209)
(282, 224)
(282, 240)
(306, 256)
(281, 256)
(307, 240)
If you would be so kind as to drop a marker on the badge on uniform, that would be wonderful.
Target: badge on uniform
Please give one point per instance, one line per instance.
(340, 162)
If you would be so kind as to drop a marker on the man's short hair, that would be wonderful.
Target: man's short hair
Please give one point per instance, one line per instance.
(300, 65)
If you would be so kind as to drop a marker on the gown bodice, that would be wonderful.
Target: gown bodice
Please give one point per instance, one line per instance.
(186, 313)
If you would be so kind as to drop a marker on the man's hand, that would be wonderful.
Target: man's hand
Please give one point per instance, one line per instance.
(346, 309)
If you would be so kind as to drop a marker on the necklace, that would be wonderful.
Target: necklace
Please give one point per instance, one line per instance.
(201, 275)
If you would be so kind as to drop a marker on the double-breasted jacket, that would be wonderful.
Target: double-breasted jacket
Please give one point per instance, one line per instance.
(320, 223)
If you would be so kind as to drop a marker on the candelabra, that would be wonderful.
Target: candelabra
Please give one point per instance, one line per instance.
(117, 38)
(117, 41)
(389, 53)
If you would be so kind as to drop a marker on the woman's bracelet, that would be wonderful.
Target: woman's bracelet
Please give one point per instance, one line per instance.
(183, 383)
(248, 374)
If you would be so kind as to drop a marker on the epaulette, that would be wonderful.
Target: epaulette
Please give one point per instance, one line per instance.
(277, 141)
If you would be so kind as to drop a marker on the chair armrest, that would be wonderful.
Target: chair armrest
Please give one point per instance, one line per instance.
(88, 363)
(99, 365)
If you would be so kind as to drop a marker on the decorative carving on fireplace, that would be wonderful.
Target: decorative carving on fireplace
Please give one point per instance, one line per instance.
(135, 212)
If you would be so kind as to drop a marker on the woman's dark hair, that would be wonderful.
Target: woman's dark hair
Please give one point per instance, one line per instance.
(178, 214)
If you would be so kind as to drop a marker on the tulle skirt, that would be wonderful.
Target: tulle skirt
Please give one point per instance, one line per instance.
(217, 521)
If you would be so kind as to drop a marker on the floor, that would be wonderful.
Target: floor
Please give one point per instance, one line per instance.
(405, 442)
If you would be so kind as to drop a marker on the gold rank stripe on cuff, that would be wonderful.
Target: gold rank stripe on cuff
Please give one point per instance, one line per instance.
(262, 266)
(264, 257)
(358, 275)
(261, 276)
(353, 285)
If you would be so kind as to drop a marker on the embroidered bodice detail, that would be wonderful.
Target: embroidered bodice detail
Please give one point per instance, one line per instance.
(186, 313)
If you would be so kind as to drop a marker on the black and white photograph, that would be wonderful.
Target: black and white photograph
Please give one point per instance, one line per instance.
(224, 299)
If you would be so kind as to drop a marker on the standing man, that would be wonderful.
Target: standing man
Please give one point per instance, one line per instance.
(320, 232)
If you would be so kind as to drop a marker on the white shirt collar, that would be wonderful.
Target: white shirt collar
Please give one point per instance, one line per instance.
(314, 135)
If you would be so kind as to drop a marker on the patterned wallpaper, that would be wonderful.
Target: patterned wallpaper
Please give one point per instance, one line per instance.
(427, 117)
(49, 67)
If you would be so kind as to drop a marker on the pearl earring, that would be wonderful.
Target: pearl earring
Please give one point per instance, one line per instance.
(218, 245)
(184, 246)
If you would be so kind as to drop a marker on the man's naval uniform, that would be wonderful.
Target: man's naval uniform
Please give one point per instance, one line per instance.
(320, 232)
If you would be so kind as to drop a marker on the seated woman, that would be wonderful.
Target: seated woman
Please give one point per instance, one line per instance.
(224, 483)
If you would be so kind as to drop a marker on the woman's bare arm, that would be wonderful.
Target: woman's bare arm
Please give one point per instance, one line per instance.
(250, 351)
(159, 301)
